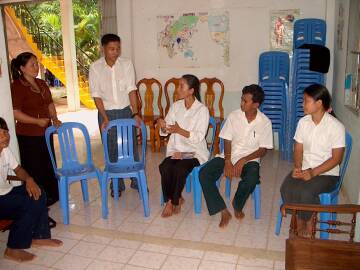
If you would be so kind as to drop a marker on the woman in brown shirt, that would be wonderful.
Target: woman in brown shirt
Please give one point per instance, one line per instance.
(34, 111)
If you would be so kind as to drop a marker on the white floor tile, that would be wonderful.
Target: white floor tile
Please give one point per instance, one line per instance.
(148, 259)
(211, 265)
(104, 265)
(179, 263)
(87, 249)
(221, 257)
(186, 252)
(116, 254)
(71, 262)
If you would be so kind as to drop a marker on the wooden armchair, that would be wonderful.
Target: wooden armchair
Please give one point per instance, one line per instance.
(313, 253)
(209, 100)
(147, 108)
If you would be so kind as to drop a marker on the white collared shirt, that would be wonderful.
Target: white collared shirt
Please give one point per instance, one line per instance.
(196, 121)
(112, 84)
(246, 137)
(319, 140)
(7, 162)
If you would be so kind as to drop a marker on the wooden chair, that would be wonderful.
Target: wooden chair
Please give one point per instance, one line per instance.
(148, 115)
(209, 100)
(316, 254)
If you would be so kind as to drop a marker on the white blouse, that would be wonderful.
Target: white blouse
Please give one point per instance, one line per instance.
(319, 140)
(196, 121)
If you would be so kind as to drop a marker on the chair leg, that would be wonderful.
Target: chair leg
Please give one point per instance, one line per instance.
(145, 195)
(188, 182)
(104, 196)
(115, 182)
(85, 191)
(64, 199)
(257, 201)
(197, 192)
(152, 138)
(227, 188)
(325, 199)
(278, 219)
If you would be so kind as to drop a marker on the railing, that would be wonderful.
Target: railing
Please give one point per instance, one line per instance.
(50, 45)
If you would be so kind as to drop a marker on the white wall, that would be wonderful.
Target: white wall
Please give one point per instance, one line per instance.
(351, 185)
(249, 36)
(6, 110)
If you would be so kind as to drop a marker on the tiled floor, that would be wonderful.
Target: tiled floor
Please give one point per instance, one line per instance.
(128, 240)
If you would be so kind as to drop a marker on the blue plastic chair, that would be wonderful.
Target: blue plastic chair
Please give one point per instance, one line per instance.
(326, 198)
(194, 174)
(125, 166)
(72, 169)
(309, 31)
(274, 65)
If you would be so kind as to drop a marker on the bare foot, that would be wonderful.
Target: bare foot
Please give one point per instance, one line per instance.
(47, 242)
(239, 214)
(168, 210)
(225, 218)
(18, 255)
(177, 209)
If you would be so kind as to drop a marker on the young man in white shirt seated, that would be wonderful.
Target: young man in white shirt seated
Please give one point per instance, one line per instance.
(24, 204)
(247, 135)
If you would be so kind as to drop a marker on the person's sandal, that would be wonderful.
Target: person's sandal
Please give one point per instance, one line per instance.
(52, 223)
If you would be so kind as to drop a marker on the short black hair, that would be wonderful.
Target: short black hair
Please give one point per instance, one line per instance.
(255, 91)
(3, 124)
(107, 38)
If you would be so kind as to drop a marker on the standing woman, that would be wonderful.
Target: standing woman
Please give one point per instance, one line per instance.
(187, 122)
(318, 152)
(34, 111)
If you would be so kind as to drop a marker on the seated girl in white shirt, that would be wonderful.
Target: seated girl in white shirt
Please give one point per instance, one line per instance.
(187, 123)
(25, 205)
(318, 152)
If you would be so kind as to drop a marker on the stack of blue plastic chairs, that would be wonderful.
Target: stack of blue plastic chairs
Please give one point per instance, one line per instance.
(274, 79)
(306, 31)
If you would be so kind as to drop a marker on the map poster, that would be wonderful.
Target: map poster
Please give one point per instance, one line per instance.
(282, 29)
(194, 39)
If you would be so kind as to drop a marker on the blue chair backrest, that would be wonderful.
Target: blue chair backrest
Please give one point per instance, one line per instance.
(221, 140)
(212, 123)
(343, 166)
(125, 137)
(67, 143)
(309, 31)
(274, 65)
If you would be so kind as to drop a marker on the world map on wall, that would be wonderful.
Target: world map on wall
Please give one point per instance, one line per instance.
(194, 39)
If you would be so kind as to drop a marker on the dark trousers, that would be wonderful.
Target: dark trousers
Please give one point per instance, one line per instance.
(112, 136)
(30, 217)
(173, 177)
(213, 170)
(35, 159)
(306, 192)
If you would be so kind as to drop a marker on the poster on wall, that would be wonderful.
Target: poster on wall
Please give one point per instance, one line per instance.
(194, 39)
(282, 28)
(340, 27)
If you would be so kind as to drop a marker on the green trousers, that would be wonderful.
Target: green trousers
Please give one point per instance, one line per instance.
(213, 170)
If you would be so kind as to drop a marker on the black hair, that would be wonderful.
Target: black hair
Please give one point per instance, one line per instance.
(107, 38)
(256, 92)
(20, 61)
(194, 83)
(3, 124)
(319, 92)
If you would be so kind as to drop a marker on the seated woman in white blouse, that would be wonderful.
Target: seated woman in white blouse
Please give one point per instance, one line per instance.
(318, 151)
(187, 123)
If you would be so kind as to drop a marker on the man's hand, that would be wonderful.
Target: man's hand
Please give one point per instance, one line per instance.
(238, 167)
(138, 120)
(307, 175)
(32, 188)
(228, 169)
(104, 123)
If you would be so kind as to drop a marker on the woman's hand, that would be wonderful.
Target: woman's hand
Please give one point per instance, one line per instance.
(43, 122)
(56, 122)
(174, 128)
(176, 155)
(161, 122)
(32, 188)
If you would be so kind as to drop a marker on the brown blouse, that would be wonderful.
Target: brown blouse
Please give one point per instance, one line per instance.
(27, 100)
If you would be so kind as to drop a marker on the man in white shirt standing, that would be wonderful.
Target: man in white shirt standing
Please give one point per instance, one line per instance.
(247, 135)
(112, 85)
